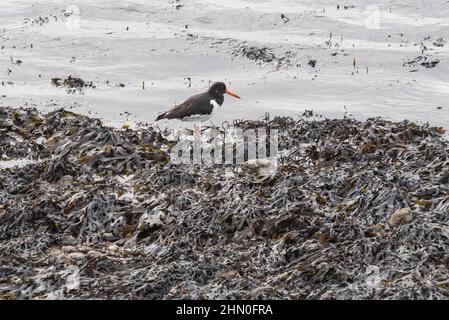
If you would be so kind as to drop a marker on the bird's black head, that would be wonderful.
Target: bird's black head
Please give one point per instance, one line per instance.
(218, 89)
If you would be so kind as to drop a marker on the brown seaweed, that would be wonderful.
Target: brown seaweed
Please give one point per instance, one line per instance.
(355, 210)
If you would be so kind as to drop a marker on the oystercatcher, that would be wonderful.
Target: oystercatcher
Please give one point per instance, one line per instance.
(199, 107)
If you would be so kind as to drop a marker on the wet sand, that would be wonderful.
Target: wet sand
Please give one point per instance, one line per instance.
(178, 48)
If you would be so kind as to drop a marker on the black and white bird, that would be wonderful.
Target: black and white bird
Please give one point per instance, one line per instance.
(200, 107)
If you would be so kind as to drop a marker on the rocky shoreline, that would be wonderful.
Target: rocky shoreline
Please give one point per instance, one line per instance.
(355, 210)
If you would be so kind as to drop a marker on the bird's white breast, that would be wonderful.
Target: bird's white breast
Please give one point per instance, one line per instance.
(215, 105)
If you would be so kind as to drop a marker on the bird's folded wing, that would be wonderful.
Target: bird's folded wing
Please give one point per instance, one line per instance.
(198, 104)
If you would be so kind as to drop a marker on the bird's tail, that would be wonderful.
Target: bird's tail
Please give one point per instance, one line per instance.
(161, 116)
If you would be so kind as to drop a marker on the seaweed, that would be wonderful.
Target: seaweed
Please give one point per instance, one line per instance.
(355, 210)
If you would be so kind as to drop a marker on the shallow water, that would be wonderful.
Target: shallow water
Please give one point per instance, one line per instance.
(201, 40)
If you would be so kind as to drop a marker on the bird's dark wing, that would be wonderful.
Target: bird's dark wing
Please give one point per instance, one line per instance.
(197, 104)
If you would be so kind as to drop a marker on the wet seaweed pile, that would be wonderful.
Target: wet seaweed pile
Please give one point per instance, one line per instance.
(355, 210)
(72, 84)
(262, 55)
(427, 59)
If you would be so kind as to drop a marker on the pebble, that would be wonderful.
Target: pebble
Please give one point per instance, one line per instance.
(94, 254)
(68, 249)
(84, 249)
(76, 256)
(399, 217)
(113, 248)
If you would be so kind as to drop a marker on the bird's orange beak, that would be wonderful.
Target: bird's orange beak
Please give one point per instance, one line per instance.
(232, 94)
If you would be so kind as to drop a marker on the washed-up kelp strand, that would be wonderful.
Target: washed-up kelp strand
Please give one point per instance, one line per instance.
(355, 210)
(72, 84)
